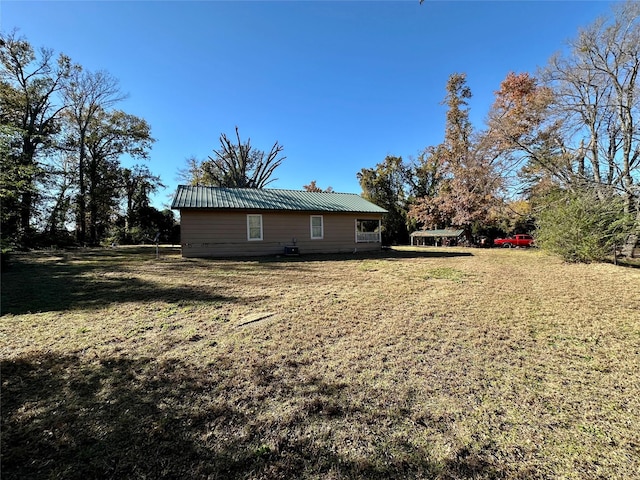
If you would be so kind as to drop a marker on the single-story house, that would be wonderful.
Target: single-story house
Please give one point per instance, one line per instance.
(443, 236)
(224, 222)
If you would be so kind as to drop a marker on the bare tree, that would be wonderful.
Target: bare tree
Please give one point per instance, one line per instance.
(598, 102)
(239, 165)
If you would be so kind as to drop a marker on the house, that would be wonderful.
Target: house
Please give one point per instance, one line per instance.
(224, 222)
(436, 237)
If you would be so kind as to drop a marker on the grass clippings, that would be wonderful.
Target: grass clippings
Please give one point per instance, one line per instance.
(443, 363)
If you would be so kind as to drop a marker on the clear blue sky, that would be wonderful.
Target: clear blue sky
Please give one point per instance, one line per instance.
(339, 84)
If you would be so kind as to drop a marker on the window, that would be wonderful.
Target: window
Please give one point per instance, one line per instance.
(317, 227)
(254, 227)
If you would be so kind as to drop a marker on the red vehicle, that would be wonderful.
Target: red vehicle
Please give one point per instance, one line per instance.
(515, 241)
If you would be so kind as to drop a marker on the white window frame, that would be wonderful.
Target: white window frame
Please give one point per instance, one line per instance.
(249, 216)
(321, 227)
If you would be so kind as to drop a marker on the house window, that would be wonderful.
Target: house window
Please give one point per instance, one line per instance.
(368, 231)
(254, 227)
(317, 227)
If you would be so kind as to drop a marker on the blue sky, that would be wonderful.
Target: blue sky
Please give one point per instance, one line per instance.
(339, 84)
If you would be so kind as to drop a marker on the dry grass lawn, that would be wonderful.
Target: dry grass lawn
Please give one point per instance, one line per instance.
(436, 363)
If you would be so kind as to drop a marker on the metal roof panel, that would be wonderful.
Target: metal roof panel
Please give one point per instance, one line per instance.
(437, 233)
(188, 196)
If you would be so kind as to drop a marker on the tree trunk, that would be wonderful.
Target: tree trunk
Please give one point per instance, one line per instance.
(26, 200)
(629, 246)
(93, 203)
(82, 202)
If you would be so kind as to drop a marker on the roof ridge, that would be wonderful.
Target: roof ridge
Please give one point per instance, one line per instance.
(264, 189)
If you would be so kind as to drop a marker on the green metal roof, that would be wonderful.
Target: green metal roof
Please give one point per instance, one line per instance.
(437, 233)
(199, 197)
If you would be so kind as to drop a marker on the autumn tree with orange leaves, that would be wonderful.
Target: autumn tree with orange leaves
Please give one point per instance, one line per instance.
(572, 134)
(313, 187)
(468, 187)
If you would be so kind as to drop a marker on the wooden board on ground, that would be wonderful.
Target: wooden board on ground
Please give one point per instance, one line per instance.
(254, 317)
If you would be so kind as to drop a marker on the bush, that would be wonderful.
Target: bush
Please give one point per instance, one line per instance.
(580, 226)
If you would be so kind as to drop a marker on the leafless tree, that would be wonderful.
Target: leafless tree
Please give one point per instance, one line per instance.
(237, 164)
(597, 101)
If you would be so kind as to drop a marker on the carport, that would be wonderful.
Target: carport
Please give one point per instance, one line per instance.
(438, 237)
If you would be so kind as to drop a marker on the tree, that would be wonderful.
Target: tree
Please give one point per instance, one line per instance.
(57, 195)
(425, 174)
(193, 174)
(312, 187)
(15, 180)
(29, 114)
(467, 187)
(575, 135)
(151, 225)
(527, 139)
(516, 216)
(110, 135)
(239, 165)
(138, 183)
(385, 185)
(577, 125)
(88, 95)
(598, 101)
(61, 145)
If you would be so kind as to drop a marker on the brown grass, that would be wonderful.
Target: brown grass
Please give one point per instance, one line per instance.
(434, 363)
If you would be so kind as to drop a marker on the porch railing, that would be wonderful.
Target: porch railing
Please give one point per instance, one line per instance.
(367, 237)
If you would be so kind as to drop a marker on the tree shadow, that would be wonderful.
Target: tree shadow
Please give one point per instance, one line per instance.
(94, 278)
(55, 282)
(117, 418)
(383, 254)
(625, 262)
(76, 418)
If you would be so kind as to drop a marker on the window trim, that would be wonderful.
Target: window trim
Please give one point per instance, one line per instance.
(321, 217)
(249, 215)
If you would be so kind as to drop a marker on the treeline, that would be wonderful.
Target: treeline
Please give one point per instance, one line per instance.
(559, 154)
(62, 139)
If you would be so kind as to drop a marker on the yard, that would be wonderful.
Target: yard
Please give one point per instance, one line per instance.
(433, 363)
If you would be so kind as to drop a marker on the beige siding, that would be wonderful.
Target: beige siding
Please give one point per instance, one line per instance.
(223, 234)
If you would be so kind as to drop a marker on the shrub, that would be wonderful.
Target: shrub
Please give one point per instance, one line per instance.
(580, 226)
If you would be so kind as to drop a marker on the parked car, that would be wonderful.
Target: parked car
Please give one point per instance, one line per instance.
(515, 241)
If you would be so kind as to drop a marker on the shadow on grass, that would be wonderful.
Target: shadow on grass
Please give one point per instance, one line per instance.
(42, 282)
(384, 254)
(68, 417)
(625, 262)
(93, 278)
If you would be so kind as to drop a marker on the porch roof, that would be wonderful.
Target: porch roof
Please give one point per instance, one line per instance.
(437, 233)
